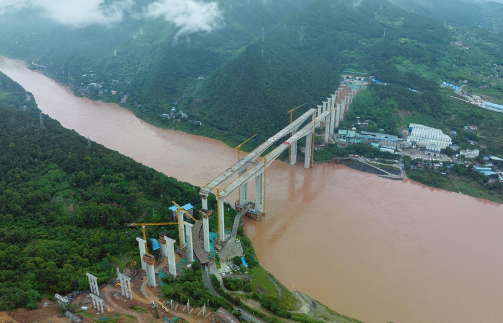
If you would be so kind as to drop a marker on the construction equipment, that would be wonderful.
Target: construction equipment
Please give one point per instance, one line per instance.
(238, 147)
(180, 220)
(179, 223)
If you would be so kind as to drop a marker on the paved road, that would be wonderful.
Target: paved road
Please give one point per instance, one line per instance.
(244, 314)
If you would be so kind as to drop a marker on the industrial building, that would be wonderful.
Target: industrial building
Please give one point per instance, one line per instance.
(492, 106)
(469, 153)
(427, 138)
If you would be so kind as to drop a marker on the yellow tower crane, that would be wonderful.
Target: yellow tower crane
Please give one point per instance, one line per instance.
(238, 147)
(179, 223)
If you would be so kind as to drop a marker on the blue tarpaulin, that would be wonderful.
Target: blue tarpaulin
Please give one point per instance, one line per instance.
(155, 244)
(244, 261)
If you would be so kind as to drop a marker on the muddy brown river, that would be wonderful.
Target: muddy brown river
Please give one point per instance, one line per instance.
(370, 248)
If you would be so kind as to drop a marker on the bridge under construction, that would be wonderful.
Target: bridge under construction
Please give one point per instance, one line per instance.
(249, 168)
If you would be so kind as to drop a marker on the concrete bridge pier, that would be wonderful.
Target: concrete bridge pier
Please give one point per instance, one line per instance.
(325, 106)
(293, 150)
(319, 109)
(190, 246)
(204, 202)
(333, 101)
(141, 244)
(332, 121)
(221, 224)
(259, 192)
(243, 193)
(170, 247)
(181, 218)
(328, 122)
(341, 114)
(307, 152)
(338, 115)
(206, 234)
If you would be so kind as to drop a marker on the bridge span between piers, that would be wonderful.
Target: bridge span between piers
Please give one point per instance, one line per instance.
(331, 113)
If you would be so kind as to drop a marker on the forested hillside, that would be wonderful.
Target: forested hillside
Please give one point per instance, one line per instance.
(301, 61)
(64, 205)
(143, 58)
(460, 13)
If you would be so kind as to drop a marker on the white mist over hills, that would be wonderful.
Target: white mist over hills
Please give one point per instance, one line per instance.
(188, 15)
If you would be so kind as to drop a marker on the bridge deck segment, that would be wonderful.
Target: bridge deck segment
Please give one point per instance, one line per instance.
(243, 163)
(272, 156)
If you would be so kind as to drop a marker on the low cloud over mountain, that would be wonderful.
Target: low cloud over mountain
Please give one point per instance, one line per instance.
(188, 15)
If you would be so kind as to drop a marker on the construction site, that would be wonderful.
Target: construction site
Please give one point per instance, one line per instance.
(134, 294)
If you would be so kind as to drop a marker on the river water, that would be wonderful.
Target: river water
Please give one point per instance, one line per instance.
(370, 248)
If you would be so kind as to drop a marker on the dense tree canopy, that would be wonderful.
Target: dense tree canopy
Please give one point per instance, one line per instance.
(64, 205)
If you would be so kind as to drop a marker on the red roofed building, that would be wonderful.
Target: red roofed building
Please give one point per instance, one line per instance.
(223, 316)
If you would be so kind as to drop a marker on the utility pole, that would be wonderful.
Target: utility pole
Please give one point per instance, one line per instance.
(42, 126)
(88, 142)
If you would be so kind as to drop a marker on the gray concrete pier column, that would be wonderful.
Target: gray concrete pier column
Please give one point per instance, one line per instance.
(204, 203)
(190, 246)
(141, 245)
(243, 194)
(151, 275)
(293, 151)
(206, 234)
(341, 114)
(164, 249)
(325, 106)
(327, 127)
(97, 303)
(93, 283)
(333, 117)
(125, 282)
(181, 218)
(170, 243)
(221, 224)
(259, 192)
(319, 109)
(333, 101)
(338, 115)
(307, 151)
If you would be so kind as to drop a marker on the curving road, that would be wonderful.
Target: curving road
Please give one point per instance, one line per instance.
(244, 314)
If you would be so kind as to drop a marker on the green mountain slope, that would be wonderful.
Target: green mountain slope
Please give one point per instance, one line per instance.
(459, 13)
(64, 206)
(140, 57)
(301, 62)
